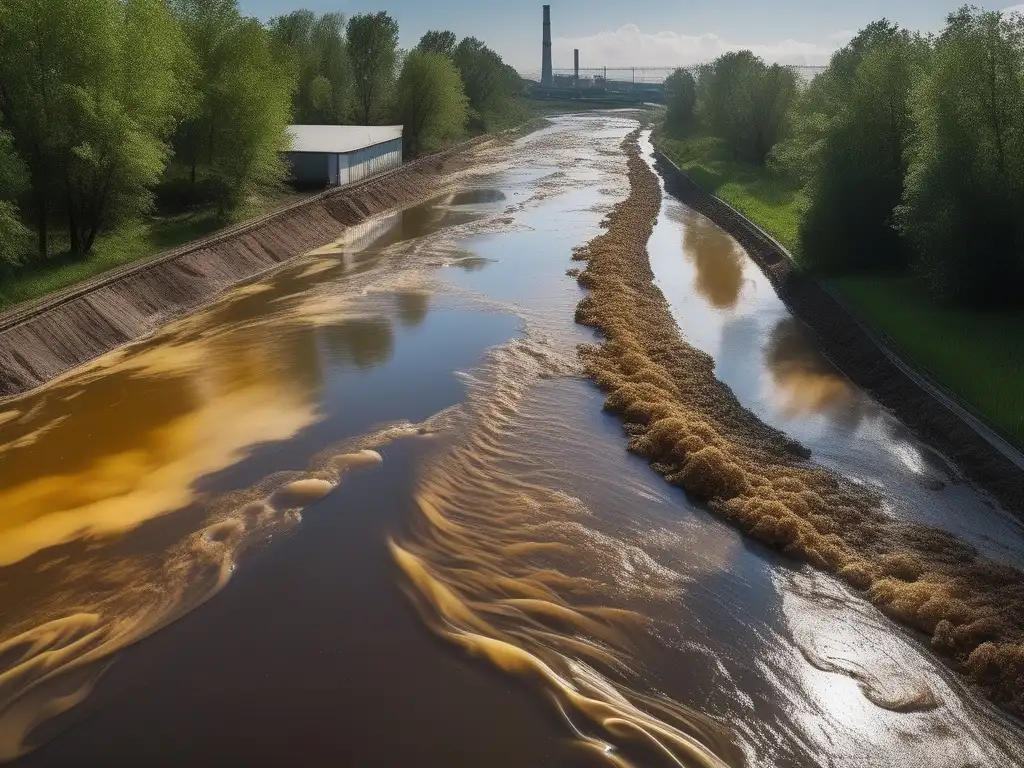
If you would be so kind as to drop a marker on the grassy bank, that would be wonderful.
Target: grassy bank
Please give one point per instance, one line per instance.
(976, 355)
(129, 243)
(772, 202)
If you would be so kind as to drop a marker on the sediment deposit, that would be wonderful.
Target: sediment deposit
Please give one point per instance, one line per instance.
(693, 430)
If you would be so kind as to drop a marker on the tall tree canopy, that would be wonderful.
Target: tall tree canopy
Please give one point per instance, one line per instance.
(680, 101)
(746, 102)
(315, 47)
(489, 81)
(964, 202)
(373, 48)
(89, 92)
(13, 182)
(438, 41)
(431, 102)
(861, 161)
(240, 103)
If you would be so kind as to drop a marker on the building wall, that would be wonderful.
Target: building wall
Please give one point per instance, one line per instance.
(363, 163)
(309, 169)
(313, 169)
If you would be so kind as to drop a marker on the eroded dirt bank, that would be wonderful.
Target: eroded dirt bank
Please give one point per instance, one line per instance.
(850, 347)
(694, 431)
(123, 309)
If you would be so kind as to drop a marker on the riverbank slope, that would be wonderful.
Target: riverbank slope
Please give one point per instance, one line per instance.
(43, 339)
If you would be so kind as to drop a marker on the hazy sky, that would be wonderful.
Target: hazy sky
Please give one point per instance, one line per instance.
(638, 32)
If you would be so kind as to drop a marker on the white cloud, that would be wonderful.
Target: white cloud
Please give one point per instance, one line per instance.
(1015, 9)
(840, 38)
(630, 46)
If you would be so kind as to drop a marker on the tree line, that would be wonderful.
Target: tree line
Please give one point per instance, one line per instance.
(909, 149)
(110, 109)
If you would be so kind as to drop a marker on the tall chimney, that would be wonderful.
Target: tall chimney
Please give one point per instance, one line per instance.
(546, 75)
(576, 67)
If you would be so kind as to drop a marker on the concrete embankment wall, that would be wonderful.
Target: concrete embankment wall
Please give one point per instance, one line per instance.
(43, 340)
(853, 348)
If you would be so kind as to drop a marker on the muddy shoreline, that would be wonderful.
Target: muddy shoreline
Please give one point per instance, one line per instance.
(849, 346)
(37, 346)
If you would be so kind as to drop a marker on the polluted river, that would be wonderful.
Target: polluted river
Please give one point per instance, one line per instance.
(372, 509)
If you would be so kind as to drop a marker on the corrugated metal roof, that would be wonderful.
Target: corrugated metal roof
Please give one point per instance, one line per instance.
(340, 138)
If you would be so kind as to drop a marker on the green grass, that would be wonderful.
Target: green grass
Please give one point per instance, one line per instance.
(773, 202)
(976, 355)
(129, 243)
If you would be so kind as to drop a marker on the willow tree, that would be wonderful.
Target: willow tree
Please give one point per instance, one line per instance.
(861, 163)
(964, 204)
(373, 49)
(431, 101)
(240, 104)
(89, 91)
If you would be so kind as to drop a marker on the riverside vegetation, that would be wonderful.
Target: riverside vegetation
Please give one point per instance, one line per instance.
(897, 175)
(127, 126)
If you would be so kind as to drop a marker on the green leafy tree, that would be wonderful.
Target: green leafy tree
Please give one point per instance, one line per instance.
(964, 204)
(745, 102)
(438, 41)
(431, 101)
(490, 83)
(89, 92)
(240, 108)
(681, 101)
(14, 236)
(373, 48)
(861, 161)
(815, 106)
(315, 47)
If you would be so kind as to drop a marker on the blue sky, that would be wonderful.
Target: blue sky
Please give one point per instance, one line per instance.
(653, 32)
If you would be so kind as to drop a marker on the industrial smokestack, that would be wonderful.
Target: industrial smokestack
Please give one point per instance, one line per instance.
(576, 67)
(546, 75)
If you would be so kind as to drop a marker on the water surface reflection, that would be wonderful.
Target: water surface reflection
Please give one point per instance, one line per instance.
(718, 261)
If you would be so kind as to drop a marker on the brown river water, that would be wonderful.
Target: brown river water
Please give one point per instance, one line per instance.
(366, 511)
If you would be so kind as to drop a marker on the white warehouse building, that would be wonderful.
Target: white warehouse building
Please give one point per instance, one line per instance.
(335, 155)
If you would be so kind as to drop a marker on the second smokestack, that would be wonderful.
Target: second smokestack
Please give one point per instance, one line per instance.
(576, 67)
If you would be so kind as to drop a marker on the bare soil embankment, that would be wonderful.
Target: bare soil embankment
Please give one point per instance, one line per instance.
(54, 335)
(851, 347)
(693, 430)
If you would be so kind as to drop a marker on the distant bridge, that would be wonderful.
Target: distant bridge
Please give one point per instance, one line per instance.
(646, 75)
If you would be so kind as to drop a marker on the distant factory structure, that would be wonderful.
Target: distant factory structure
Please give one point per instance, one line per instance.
(570, 85)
